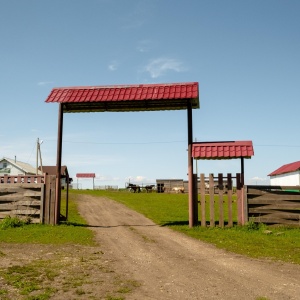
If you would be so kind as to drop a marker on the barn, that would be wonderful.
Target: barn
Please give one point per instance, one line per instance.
(286, 175)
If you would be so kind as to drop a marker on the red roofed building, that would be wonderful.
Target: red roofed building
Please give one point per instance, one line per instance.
(286, 175)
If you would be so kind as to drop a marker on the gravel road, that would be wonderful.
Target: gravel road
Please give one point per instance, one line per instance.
(169, 265)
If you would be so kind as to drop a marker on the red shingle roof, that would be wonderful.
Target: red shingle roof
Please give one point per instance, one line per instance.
(288, 168)
(167, 96)
(222, 150)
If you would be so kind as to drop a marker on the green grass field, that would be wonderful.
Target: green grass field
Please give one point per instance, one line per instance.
(257, 241)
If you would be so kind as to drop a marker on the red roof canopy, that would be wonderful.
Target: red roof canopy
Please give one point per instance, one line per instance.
(222, 150)
(288, 168)
(85, 175)
(140, 97)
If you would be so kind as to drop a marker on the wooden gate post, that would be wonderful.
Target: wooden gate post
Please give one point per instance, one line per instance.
(50, 200)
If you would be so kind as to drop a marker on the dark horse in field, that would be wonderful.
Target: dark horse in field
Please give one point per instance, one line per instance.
(134, 188)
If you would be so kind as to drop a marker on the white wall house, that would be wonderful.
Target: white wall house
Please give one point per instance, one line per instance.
(13, 167)
(288, 175)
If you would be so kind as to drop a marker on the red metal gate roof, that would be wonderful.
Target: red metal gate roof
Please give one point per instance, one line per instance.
(140, 97)
(222, 150)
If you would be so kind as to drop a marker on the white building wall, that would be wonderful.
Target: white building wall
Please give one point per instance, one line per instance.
(291, 179)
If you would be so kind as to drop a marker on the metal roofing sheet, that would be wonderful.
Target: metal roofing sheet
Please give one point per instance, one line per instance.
(167, 96)
(85, 175)
(222, 150)
(288, 168)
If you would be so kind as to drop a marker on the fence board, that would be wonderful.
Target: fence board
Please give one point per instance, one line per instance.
(211, 201)
(203, 208)
(229, 199)
(221, 192)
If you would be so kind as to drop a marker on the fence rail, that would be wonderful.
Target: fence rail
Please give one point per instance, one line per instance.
(23, 200)
(10, 179)
(273, 204)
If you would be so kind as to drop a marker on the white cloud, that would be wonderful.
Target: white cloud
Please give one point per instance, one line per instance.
(143, 46)
(159, 66)
(139, 179)
(42, 83)
(113, 66)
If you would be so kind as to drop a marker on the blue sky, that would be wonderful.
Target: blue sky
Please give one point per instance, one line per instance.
(244, 54)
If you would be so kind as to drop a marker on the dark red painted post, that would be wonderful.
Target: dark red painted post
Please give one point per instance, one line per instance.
(190, 167)
(58, 164)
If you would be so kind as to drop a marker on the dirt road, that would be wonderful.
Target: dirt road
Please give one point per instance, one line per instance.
(169, 265)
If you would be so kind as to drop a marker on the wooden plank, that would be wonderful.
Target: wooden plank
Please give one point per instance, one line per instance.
(277, 205)
(25, 212)
(203, 211)
(221, 205)
(12, 206)
(272, 196)
(46, 215)
(278, 214)
(23, 202)
(16, 198)
(53, 201)
(42, 204)
(229, 197)
(211, 201)
(275, 221)
(274, 201)
(273, 211)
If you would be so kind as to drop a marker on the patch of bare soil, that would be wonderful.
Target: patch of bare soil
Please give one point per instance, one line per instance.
(137, 259)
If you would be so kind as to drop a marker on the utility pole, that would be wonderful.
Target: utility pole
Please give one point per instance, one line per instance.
(38, 155)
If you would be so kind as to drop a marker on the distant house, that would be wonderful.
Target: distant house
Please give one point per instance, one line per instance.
(13, 167)
(286, 175)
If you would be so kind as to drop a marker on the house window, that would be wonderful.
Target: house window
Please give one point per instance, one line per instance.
(4, 165)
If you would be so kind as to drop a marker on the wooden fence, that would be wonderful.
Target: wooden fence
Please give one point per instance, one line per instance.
(223, 186)
(273, 204)
(28, 197)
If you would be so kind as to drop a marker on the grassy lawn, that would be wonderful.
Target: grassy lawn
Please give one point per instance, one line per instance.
(277, 243)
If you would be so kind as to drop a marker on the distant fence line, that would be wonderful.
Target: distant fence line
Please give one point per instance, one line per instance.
(105, 187)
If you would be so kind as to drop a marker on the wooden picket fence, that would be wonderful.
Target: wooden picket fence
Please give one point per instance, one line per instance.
(28, 197)
(222, 187)
(273, 204)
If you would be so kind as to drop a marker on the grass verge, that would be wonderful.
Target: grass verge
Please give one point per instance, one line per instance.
(257, 241)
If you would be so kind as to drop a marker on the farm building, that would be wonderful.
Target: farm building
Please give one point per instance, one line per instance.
(287, 175)
(168, 185)
(13, 167)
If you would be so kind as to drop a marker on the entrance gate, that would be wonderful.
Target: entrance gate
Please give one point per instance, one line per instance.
(122, 98)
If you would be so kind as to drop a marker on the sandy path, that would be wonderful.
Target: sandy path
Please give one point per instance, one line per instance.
(169, 265)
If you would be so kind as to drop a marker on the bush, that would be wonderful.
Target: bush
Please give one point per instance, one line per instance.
(12, 222)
